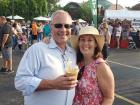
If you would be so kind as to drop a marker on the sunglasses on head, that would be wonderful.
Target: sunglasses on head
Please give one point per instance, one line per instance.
(67, 26)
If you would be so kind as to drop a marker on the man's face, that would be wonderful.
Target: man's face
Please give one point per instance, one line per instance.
(61, 28)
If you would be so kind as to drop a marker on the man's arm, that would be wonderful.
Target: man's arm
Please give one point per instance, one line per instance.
(5, 37)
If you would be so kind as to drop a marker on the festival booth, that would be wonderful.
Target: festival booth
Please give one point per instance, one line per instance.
(133, 16)
(122, 14)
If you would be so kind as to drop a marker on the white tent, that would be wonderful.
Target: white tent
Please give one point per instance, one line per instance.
(41, 18)
(122, 14)
(16, 17)
(81, 20)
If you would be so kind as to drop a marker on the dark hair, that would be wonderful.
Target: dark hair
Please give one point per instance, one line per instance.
(15, 25)
(97, 54)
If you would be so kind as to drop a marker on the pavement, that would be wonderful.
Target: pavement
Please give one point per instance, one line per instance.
(10, 96)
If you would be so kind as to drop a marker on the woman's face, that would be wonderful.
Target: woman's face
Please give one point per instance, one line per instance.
(87, 45)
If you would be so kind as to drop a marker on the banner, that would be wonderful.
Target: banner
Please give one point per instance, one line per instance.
(93, 5)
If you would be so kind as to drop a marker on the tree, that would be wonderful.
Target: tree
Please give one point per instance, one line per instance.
(28, 8)
(73, 9)
(4, 4)
(86, 12)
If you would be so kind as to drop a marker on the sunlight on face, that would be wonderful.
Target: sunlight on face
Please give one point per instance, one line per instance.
(61, 35)
(87, 44)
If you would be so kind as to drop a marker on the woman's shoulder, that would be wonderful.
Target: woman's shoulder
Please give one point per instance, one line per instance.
(100, 63)
(102, 66)
(99, 60)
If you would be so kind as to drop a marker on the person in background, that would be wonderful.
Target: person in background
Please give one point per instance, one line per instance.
(34, 32)
(15, 35)
(95, 79)
(110, 28)
(118, 34)
(0, 43)
(107, 35)
(22, 41)
(41, 74)
(6, 45)
(76, 27)
(46, 32)
(40, 32)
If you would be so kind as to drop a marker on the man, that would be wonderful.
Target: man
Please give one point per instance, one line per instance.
(46, 29)
(46, 32)
(41, 75)
(34, 32)
(0, 44)
(6, 45)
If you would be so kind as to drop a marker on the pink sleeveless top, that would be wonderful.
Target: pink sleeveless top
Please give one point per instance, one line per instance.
(87, 90)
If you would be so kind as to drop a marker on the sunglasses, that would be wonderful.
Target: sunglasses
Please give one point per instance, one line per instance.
(80, 74)
(67, 26)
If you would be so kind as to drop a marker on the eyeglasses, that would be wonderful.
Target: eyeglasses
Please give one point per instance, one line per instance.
(80, 74)
(58, 25)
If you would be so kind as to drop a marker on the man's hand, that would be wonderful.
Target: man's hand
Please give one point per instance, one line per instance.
(64, 82)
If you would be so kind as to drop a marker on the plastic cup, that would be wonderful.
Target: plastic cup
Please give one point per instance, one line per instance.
(72, 71)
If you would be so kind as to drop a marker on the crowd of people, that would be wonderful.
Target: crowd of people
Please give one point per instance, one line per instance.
(123, 30)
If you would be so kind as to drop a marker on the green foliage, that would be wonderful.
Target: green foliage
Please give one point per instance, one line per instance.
(100, 18)
(27, 8)
(86, 13)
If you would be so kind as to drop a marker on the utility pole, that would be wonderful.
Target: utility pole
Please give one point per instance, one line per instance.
(116, 4)
(12, 9)
(28, 9)
(94, 5)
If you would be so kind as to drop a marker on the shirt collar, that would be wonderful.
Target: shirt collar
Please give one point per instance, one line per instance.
(53, 45)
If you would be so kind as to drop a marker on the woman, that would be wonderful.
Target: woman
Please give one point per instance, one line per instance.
(118, 34)
(96, 80)
(105, 32)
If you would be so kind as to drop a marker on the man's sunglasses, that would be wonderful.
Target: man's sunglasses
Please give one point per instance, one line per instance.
(67, 26)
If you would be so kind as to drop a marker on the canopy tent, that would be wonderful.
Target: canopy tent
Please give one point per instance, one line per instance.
(16, 17)
(81, 20)
(41, 18)
(122, 14)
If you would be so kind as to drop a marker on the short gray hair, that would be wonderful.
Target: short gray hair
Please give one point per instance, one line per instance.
(59, 12)
(2, 17)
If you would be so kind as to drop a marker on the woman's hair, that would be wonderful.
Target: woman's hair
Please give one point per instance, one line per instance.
(14, 25)
(105, 25)
(97, 54)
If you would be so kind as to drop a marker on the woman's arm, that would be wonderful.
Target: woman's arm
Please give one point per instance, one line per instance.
(106, 83)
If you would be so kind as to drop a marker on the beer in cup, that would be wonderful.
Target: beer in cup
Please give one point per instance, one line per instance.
(72, 71)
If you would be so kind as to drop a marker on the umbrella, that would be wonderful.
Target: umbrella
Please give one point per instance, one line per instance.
(16, 17)
(41, 18)
(81, 20)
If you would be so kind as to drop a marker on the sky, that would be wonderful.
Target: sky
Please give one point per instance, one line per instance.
(124, 3)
